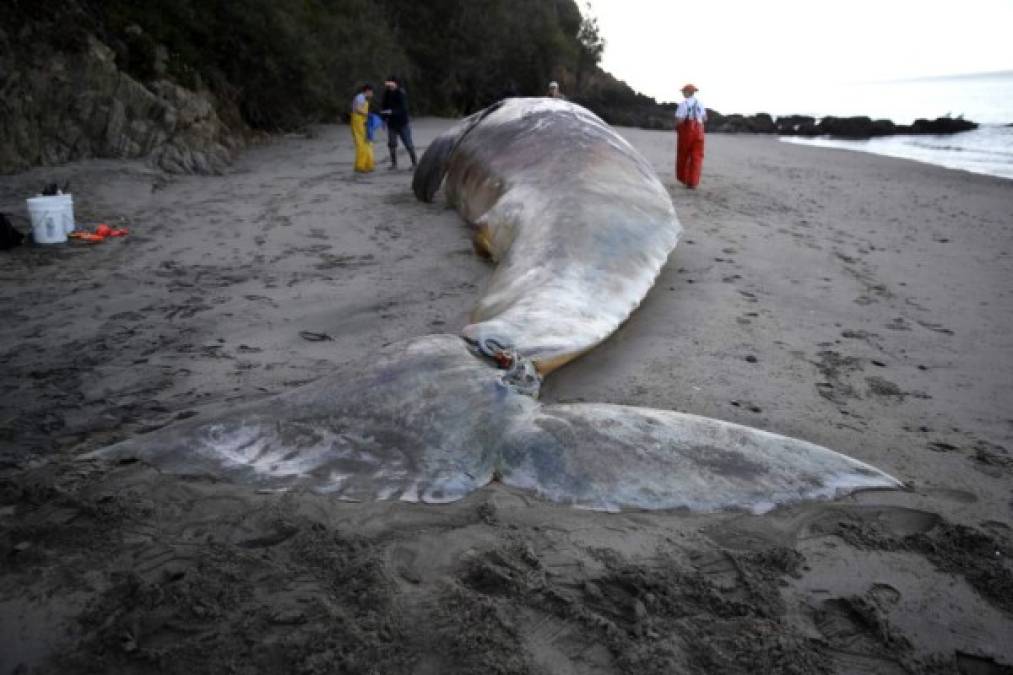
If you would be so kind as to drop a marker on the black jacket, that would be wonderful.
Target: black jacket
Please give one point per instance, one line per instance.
(396, 101)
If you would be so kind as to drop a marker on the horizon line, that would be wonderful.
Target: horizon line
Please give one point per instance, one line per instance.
(950, 76)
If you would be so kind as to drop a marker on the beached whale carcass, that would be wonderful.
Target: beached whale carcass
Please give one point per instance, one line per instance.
(579, 226)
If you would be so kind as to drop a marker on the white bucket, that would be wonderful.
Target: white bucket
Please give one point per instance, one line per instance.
(52, 218)
(68, 216)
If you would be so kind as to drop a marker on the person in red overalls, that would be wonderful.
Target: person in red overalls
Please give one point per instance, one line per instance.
(689, 120)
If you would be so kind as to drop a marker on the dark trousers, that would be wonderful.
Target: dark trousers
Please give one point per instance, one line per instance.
(405, 133)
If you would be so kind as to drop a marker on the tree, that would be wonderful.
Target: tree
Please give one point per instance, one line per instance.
(592, 46)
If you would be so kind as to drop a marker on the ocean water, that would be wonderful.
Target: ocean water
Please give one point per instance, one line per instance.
(987, 150)
(986, 99)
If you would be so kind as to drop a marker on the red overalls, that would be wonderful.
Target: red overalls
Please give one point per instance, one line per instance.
(689, 152)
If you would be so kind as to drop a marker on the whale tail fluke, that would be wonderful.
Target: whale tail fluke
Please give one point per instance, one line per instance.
(613, 457)
(430, 421)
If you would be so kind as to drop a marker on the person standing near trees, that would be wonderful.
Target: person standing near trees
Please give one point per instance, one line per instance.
(395, 113)
(364, 162)
(554, 91)
(690, 116)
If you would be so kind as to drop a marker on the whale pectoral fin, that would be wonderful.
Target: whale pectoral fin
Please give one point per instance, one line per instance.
(272, 446)
(610, 457)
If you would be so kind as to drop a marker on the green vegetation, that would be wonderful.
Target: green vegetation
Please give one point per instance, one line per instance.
(284, 63)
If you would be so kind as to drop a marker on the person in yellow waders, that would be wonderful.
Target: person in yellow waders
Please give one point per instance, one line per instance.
(360, 116)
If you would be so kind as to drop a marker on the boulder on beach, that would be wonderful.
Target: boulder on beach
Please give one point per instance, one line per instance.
(855, 127)
(761, 123)
(797, 125)
(940, 125)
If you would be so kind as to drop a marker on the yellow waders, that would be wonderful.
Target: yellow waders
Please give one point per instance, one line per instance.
(363, 149)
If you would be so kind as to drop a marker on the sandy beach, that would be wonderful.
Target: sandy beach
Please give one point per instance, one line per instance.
(859, 302)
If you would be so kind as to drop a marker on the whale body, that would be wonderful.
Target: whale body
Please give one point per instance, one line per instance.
(575, 218)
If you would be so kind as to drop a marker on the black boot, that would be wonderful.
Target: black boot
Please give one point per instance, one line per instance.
(411, 153)
(393, 159)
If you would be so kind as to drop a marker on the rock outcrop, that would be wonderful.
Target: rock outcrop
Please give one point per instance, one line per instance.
(761, 123)
(855, 127)
(61, 106)
(860, 127)
(940, 125)
(801, 125)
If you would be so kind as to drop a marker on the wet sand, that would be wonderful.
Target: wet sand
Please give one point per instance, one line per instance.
(855, 301)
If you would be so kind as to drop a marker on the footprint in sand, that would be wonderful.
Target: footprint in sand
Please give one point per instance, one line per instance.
(747, 405)
(974, 554)
(898, 323)
(860, 635)
(884, 388)
(884, 594)
(747, 318)
(936, 327)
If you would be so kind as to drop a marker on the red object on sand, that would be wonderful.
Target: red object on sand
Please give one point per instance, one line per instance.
(86, 237)
(102, 231)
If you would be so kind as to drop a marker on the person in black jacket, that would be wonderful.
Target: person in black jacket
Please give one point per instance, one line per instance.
(394, 109)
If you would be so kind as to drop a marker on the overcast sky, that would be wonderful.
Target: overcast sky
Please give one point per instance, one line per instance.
(735, 48)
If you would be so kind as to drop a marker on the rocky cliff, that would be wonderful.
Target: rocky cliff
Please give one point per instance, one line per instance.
(58, 106)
